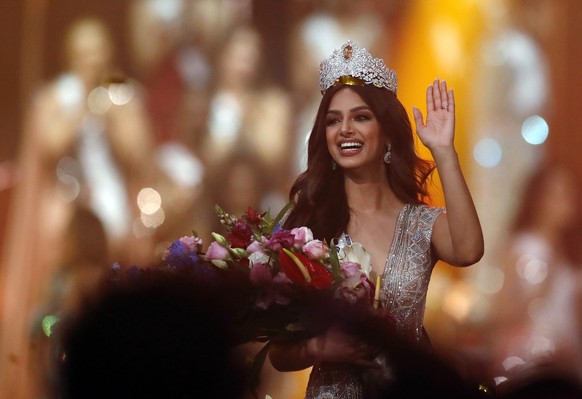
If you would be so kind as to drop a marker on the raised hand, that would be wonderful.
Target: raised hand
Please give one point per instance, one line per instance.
(439, 129)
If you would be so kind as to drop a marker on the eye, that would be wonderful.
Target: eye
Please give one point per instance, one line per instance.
(363, 117)
(331, 121)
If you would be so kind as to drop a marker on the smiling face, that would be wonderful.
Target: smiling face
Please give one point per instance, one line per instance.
(353, 133)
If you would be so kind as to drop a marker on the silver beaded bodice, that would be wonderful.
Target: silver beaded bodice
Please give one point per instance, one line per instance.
(404, 286)
(408, 268)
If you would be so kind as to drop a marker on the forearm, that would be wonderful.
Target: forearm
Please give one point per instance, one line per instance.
(463, 222)
(290, 356)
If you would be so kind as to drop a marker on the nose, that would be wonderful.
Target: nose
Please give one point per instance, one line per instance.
(346, 128)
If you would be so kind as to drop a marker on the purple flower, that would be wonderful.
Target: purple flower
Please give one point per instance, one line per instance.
(182, 252)
(280, 239)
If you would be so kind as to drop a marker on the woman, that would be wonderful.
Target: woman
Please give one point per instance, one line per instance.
(365, 180)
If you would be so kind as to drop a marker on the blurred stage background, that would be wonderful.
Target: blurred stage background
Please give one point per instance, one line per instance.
(210, 101)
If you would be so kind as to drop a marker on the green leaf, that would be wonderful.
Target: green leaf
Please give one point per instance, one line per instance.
(334, 261)
(282, 213)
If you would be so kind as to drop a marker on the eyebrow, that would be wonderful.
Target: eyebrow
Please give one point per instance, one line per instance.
(355, 109)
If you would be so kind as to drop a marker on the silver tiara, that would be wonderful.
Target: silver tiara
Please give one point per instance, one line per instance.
(353, 65)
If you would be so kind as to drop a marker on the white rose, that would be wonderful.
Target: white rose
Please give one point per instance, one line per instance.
(258, 257)
(358, 254)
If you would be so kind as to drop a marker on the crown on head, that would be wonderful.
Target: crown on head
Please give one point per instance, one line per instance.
(353, 65)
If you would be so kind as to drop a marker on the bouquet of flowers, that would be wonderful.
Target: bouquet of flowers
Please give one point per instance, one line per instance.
(283, 270)
(289, 285)
(272, 283)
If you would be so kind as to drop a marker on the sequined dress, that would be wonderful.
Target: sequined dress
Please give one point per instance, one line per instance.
(404, 286)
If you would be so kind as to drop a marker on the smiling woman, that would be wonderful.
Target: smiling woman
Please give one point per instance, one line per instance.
(365, 183)
(353, 133)
(407, 173)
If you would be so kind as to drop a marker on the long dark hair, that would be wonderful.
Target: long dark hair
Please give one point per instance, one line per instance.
(318, 194)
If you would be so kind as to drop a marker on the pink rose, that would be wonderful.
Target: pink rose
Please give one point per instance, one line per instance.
(256, 253)
(302, 236)
(255, 246)
(350, 269)
(316, 249)
(356, 287)
(358, 254)
(216, 252)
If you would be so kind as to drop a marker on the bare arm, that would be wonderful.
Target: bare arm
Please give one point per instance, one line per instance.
(457, 235)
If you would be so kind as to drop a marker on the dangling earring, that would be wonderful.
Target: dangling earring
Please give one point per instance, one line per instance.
(333, 165)
(388, 155)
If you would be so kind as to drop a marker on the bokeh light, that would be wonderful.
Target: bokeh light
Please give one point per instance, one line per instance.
(149, 201)
(153, 220)
(535, 130)
(120, 93)
(488, 153)
(98, 101)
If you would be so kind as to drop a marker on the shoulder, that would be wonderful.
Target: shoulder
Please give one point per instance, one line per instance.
(421, 219)
(428, 221)
(427, 212)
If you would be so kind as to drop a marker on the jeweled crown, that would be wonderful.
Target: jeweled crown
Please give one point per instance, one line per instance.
(353, 65)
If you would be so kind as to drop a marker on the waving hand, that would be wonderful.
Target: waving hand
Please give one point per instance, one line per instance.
(439, 129)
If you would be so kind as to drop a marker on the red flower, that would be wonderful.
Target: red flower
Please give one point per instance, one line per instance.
(253, 217)
(302, 270)
(240, 235)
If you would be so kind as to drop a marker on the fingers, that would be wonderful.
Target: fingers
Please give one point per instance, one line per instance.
(435, 91)
(451, 100)
(438, 96)
(430, 105)
(418, 119)
(444, 95)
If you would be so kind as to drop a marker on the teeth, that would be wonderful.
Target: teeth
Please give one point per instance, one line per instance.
(350, 145)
